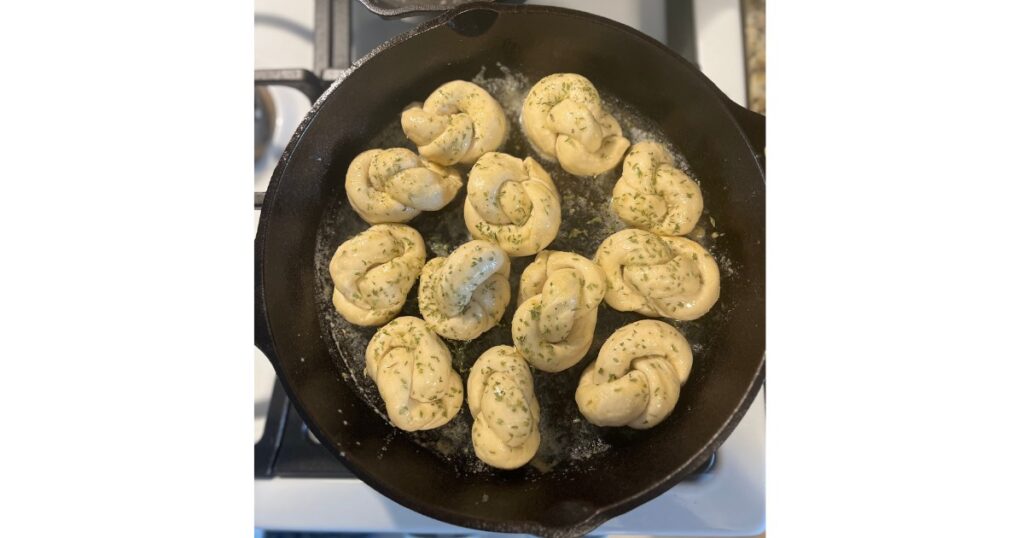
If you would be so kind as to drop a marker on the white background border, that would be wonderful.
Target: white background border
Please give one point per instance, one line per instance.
(894, 268)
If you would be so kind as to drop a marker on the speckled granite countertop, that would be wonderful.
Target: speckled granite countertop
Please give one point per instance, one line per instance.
(753, 30)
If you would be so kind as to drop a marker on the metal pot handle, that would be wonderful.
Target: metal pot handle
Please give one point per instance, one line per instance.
(387, 10)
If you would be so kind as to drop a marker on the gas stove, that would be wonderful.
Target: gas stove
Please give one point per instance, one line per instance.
(301, 47)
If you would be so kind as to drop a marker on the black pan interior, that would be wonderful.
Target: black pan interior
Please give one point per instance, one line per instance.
(308, 187)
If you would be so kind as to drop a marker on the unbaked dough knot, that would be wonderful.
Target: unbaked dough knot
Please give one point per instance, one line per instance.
(413, 372)
(466, 293)
(654, 275)
(564, 121)
(506, 415)
(395, 185)
(654, 195)
(512, 202)
(637, 376)
(558, 294)
(457, 123)
(374, 271)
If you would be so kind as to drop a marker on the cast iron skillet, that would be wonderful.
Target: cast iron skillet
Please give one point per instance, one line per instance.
(724, 146)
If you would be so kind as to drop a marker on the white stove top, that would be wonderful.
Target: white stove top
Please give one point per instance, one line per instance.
(729, 501)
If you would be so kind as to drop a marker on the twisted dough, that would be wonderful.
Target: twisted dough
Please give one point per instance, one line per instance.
(395, 185)
(374, 271)
(506, 415)
(512, 202)
(636, 378)
(654, 195)
(457, 123)
(564, 121)
(465, 294)
(558, 294)
(413, 371)
(671, 277)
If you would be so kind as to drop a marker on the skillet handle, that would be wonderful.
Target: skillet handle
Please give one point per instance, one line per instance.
(261, 333)
(262, 327)
(753, 126)
(312, 87)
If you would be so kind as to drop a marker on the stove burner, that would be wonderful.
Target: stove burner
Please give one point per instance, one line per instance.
(265, 116)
